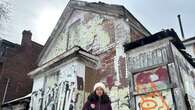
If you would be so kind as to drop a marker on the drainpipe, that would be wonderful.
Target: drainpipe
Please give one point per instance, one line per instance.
(5, 92)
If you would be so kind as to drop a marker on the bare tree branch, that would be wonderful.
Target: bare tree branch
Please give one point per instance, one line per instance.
(4, 14)
(4, 10)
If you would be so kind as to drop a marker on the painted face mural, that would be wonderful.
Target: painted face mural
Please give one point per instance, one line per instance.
(151, 83)
(160, 100)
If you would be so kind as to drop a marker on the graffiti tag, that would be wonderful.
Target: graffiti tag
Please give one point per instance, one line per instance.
(153, 100)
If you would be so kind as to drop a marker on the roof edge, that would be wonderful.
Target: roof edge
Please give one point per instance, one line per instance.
(72, 52)
(155, 37)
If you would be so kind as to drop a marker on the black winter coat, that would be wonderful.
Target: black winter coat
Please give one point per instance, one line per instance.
(101, 103)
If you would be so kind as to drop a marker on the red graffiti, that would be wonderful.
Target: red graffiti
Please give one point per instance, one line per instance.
(110, 81)
(145, 77)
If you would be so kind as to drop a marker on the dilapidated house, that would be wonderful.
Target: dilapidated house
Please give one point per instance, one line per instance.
(160, 73)
(86, 46)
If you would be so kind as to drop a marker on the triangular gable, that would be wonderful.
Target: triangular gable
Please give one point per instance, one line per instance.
(76, 53)
(83, 24)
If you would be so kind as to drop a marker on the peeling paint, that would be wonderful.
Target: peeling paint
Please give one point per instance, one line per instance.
(90, 35)
(58, 48)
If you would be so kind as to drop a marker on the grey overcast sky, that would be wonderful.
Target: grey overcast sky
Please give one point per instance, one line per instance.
(40, 16)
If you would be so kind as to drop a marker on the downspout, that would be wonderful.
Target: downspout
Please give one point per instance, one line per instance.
(5, 92)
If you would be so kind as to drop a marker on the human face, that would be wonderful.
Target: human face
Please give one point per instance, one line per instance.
(99, 91)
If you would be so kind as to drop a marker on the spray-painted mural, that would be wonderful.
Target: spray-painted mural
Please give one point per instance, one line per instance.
(161, 100)
(158, 76)
(151, 82)
(62, 90)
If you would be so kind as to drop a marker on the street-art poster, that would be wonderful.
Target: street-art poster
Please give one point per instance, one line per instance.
(158, 77)
(161, 100)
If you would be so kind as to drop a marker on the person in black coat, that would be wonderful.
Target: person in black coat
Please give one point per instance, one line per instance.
(98, 99)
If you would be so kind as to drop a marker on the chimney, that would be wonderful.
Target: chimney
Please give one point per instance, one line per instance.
(26, 38)
(181, 27)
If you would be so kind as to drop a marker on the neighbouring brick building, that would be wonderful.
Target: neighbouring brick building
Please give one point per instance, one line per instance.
(15, 62)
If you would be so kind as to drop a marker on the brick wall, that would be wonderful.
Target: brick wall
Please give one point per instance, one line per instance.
(107, 71)
(18, 62)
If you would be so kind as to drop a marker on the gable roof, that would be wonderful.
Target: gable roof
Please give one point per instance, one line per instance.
(8, 43)
(101, 8)
(75, 52)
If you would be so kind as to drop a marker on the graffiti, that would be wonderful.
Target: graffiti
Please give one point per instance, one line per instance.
(79, 97)
(149, 58)
(152, 87)
(59, 92)
(119, 98)
(57, 98)
(36, 100)
(150, 103)
(121, 103)
(157, 100)
(159, 76)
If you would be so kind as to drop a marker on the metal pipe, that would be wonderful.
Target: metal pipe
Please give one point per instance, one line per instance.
(180, 25)
(5, 92)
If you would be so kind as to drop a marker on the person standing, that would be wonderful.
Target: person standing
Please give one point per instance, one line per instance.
(98, 99)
